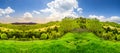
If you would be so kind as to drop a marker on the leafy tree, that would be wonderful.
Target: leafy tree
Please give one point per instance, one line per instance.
(81, 21)
(68, 24)
(95, 26)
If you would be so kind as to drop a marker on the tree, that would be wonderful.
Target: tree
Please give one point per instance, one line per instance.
(81, 21)
(94, 26)
(68, 24)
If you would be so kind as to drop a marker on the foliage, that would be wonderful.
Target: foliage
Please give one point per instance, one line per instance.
(56, 29)
(68, 24)
(93, 25)
(43, 36)
(60, 37)
(3, 36)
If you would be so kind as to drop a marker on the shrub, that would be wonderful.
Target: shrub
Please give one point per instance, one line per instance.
(54, 34)
(43, 36)
(10, 34)
(58, 34)
(0, 35)
(37, 34)
(118, 37)
(13, 37)
(4, 36)
(33, 37)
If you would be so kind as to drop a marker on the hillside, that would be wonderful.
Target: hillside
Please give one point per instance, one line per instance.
(56, 29)
(71, 35)
(69, 43)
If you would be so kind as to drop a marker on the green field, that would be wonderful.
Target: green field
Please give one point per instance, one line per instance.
(70, 35)
(70, 43)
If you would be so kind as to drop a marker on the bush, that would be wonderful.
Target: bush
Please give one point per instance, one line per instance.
(4, 36)
(43, 36)
(13, 37)
(0, 35)
(33, 37)
(37, 34)
(10, 34)
(58, 34)
(53, 34)
(118, 37)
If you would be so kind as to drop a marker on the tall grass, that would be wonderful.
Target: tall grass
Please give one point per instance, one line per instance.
(69, 43)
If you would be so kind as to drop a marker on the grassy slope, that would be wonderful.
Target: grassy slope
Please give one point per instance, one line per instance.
(70, 43)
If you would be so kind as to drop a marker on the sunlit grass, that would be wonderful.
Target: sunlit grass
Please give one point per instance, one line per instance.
(70, 43)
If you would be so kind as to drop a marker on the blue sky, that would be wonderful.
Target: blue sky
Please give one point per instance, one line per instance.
(49, 10)
(21, 6)
(100, 7)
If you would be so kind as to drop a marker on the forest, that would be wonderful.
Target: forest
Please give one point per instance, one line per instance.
(70, 35)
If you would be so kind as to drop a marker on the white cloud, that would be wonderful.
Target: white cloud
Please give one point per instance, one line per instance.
(58, 9)
(55, 10)
(103, 18)
(2, 12)
(114, 19)
(26, 17)
(80, 10)
(5, 15)
(98, 17)
(36, 12)
(9, 10)
(62, 6)
(6, 11)
(27, 14)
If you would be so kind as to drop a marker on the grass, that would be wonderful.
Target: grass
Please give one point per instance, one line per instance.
(69, 43)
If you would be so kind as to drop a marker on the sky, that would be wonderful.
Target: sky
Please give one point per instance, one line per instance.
(42, 11)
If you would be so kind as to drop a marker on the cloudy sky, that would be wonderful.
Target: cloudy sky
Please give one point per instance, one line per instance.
(41, 11)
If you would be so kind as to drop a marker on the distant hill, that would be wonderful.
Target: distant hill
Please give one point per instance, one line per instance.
(24, 23)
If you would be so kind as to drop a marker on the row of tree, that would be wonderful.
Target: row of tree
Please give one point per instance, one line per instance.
(51, 32)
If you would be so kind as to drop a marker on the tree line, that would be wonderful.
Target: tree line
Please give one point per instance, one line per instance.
(57, 29)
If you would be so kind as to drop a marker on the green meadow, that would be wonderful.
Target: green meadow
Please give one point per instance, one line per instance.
(69, 43)
(71, 35)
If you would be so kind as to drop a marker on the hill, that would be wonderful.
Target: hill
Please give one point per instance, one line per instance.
(71, 35)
